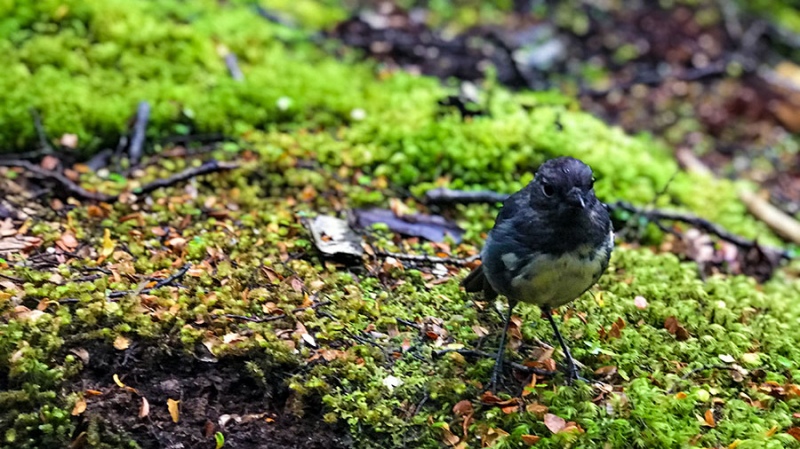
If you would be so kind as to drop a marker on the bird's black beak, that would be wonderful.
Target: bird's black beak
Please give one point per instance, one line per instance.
(575, 198)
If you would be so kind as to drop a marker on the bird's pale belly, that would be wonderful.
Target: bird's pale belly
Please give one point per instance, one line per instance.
(556, 280)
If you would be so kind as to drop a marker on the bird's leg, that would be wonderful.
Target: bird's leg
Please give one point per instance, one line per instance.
(572, 370)
(498, 363)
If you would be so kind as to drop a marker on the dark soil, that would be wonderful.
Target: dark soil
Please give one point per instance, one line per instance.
(262, 413)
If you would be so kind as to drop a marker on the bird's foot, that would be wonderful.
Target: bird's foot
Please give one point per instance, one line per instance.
(573, 374)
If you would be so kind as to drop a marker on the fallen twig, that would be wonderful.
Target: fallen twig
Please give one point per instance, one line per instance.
(233, 67)
(424, 258)
(162, 283)
(273, 317)
(207, 167)
(449, 196)
(66, 183)
(139, 130)
(783, 224)
(80, 192)
(656, 215)
(46, 148)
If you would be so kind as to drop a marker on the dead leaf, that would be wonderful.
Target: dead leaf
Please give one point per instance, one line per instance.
(709, 418)
(174, 411)
(530, 440)
(681, 395)
(144, 410)
(121, 343)
(554, 423)
(80, 407)
(537, 409)
(606, 371)
(771, 431)
(463, 408)
(449, 437)
(492, 435)
(67, 242)
(672, 326)
(795, 432)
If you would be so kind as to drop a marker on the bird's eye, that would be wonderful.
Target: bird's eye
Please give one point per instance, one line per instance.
(591, 184)
(548, 190)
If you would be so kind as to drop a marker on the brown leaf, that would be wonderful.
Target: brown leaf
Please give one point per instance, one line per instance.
(672, 326)
(174, 411)
(297, 284)
(463, 408)
(80, 407)
(449, 437)
(709, 417)
(144, 410)
(121, 343)
(491, 435)
(795, 432)
(554, 423)
(530, 440)
(537, 409)
(67, 242)
(606, 371)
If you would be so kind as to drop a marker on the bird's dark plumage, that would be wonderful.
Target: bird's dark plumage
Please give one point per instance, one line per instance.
(550, 242)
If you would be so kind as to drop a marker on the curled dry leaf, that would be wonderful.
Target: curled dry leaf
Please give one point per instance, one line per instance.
(537, 409)
(709, 418)
(463, 408)
(448, 436)
(672, 326)
(530, 440)
(121, 343)
(144, 410)
(174, 410)
(795, 432)
(80, 407)
(554, 423)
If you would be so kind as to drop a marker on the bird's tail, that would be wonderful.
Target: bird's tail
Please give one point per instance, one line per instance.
(476, 281)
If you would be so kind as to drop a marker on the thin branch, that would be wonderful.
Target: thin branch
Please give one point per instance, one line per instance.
(424, 258)
(46, 148)
(207, 167)
(78, 191)
(232, 63)
(139, 130)
(449, 196)
(66, 183)
(656, 215)
(162, 283)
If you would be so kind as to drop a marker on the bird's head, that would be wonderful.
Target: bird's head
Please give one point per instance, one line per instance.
(565, 186)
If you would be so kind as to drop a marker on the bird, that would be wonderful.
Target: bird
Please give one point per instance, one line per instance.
(550, 243)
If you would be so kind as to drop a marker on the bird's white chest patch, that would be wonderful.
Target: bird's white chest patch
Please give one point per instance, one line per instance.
(557, 280)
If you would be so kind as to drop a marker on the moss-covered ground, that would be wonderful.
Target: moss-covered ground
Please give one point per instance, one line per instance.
(259, 334)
